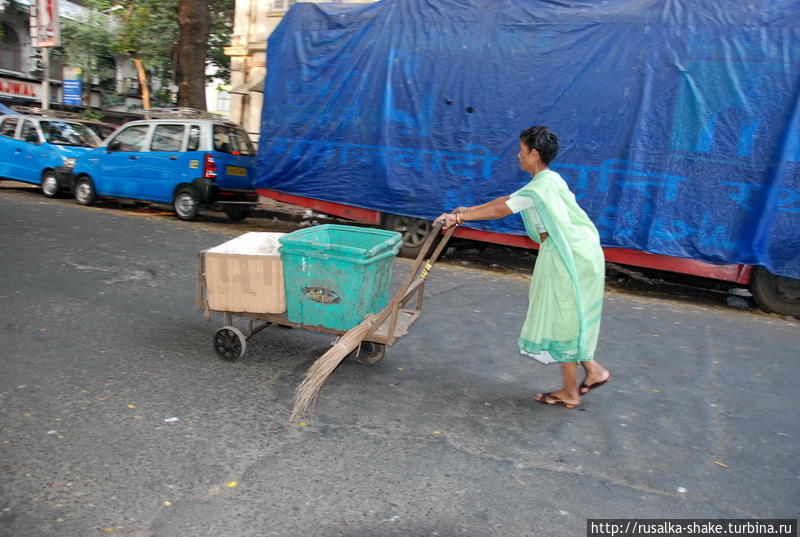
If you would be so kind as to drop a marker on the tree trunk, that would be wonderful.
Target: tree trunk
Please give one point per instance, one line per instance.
(145, 89)
(194, 22)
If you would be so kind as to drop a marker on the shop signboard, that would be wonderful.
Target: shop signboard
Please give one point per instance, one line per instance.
(72, 85)
(45, 28)
(21, 89)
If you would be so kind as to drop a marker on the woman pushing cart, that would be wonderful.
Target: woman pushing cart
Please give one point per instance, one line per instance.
(566, 294)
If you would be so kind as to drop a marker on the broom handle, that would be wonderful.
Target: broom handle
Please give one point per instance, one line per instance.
(421, 257)
(418, 261)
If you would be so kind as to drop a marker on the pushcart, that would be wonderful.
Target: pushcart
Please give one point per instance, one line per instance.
(387, 326)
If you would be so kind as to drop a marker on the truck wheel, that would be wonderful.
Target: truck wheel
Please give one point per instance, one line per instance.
(776, 294)
(236, 213)
(85, 193)
(50, 186)
(186, 203)
(414, 231)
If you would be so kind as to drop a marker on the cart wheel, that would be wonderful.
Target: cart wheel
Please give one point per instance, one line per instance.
(371, 353)
(230, 343)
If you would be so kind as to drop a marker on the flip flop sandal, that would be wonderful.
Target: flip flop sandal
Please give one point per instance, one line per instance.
(590, 387)
(551, 400)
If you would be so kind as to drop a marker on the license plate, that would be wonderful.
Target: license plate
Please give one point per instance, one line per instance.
(236, 170)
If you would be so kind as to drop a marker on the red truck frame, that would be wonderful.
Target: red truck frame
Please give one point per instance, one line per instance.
(772, 293)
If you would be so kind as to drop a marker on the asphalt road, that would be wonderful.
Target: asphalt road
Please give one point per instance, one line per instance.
(101, 343)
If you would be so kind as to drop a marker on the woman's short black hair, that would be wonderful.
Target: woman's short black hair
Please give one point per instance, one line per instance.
(542, 140)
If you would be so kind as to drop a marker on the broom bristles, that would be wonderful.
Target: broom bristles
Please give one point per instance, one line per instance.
(320, 370)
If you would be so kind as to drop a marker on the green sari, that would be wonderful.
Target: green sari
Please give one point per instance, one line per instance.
(566, 293)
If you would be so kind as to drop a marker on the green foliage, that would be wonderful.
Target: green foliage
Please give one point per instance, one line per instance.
(144, 29)
(148, 29)
(87, 44)
(162, 97)
(91, 115)
(222, 12)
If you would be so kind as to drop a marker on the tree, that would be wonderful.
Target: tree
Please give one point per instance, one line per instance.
(147, 33)
(194, 23)
(168, 40)
(222, 13)
(86, 44)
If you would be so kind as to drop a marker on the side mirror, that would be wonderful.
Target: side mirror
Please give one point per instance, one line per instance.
(114, 146)
(32, 137)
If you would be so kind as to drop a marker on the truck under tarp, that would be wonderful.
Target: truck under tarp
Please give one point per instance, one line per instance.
(679, 120)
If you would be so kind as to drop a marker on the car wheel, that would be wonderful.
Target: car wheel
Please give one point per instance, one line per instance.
(237, 212)
(776, 294)
(50, 186)
(85, 193)
(186, 203)
(414, 231)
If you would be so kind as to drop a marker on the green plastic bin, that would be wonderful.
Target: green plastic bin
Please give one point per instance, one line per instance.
(335, 275)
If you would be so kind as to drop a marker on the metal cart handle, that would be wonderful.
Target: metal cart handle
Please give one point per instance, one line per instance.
(413, 280)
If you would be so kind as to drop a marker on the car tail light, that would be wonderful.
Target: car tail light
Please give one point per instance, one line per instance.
(209, 167)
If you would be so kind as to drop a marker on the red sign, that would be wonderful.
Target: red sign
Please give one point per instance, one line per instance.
(45, 29)
(19, 89)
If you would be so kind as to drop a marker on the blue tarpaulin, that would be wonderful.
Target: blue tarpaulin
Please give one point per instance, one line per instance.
(679, 121)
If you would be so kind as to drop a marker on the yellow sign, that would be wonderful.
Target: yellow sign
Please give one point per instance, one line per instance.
(236, 170)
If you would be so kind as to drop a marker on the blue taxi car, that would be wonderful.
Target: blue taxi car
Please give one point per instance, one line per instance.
(42, 150)
(187, 163)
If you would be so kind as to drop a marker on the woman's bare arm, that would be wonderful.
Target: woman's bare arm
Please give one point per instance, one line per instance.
(492, 210)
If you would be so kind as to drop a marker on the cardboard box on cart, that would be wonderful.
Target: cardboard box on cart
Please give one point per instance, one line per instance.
(245, 275)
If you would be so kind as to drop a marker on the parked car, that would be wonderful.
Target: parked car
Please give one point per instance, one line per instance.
(42, 150)
(188, 163)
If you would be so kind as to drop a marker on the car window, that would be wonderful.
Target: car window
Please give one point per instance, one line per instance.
(130, 139)
(100, 129)
(103, 131)
(194, 138)
(168, 138)
(232, 140)
(9, 126)
(242, 142)
(29, 133)
(68, 133)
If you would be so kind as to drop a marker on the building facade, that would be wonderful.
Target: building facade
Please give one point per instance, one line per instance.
(21, 73)
(254, 22)
(20, 63)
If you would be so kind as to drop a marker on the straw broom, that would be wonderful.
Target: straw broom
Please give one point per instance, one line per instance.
(318, 373)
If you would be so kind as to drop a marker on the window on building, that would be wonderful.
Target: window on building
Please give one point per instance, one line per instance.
(281, 5)
(10, 53)
(223, 101)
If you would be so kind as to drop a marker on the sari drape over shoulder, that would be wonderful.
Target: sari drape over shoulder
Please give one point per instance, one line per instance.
(566, 292)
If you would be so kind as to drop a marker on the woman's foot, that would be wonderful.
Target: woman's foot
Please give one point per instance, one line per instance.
(596, 376)
(558, 398)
